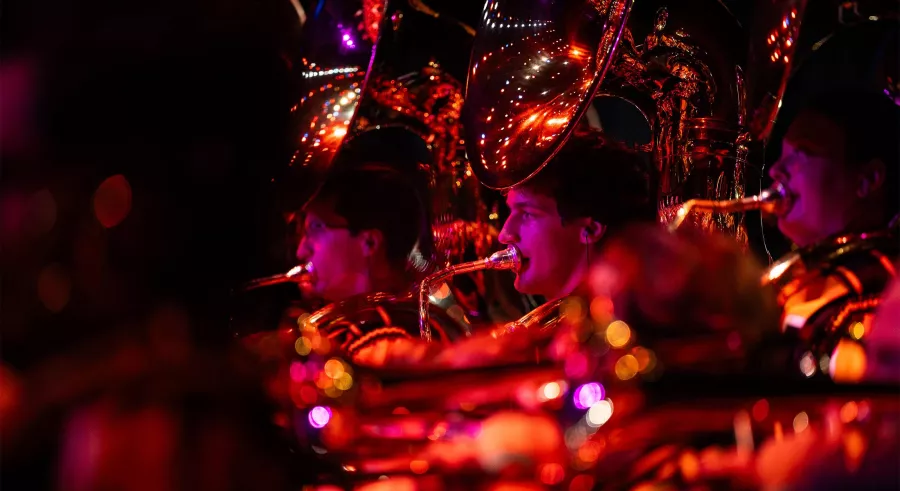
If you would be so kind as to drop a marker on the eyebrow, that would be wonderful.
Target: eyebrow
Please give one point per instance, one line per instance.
(806, 144)
(518, 205)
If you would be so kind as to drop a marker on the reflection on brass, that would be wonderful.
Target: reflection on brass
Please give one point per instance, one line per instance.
(358, 324)
(298, 274)
(508, 259)
(771, 200)
(455, 237)
(708, 93)
(409, 86)
(544, 317)
(830, 291)
(532, 71)
(323, 115)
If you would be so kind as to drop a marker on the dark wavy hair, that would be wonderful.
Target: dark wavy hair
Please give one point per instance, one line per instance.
(376, 196)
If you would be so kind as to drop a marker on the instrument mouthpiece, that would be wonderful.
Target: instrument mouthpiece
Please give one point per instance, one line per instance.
(297, 274)
(507, 259)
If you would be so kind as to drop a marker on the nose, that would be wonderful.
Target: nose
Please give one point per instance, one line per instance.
(304, 251)
(777, 172)
(507, 235)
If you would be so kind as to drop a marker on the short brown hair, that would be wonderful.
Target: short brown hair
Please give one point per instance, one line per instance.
(595, 177)
(380, 197)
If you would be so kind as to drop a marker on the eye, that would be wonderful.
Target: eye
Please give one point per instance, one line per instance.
(314, 226)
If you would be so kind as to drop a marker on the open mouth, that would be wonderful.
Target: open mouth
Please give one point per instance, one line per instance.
(789, 202)
(782, 205)
(523, 265)
(306, 275)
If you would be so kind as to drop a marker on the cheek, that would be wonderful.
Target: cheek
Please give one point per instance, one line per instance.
(555, 247)
(327, 255)
(829, 188)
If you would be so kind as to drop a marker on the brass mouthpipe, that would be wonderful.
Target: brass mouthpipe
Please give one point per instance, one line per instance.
(296, 274)
(770, 200)
(509, 259)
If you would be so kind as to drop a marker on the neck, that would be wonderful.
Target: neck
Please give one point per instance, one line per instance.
(573, 283)
(863, 223)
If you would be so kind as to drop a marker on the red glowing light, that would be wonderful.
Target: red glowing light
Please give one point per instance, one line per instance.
(112, 201)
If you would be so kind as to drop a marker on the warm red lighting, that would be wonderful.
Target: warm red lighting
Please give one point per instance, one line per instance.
(112, 201)
(54, 287)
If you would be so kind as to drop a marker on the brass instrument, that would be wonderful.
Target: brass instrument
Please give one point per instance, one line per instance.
(437, 417)
(772, 200)
(381, 80)
(611, 401)
(828, 294)
(357, 323)
(536, 69)
(508, 259)
(545, 317)
(410, 88)
(298, 274)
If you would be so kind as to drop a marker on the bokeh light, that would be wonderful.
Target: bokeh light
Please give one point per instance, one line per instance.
(334, 368)
(848, 362)
(552, 474)
(319, 416)
(54, 287)
(627, 367)
(618, 334)
(549, 391)
(298, 371)
(588, 394)
(760, 410)
(599, 413)
(303, 346)
(112, 201)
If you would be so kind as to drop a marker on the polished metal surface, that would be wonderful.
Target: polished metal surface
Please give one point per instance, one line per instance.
(324, 114)
(508, 259)
(708, 87)
(654, 377)
(772, 200)
(303, 273)
(828, 294)
(533, 70)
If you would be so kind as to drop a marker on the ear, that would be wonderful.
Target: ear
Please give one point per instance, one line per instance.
(592, 232)
(371, 241)
(871, 178)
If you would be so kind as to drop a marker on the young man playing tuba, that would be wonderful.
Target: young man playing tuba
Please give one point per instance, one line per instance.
(839, 166)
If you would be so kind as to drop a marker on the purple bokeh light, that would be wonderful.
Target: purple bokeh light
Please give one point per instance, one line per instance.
(319, 416)
(588, 394)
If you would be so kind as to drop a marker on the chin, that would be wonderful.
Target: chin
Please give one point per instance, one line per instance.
(793, 234)
(320, 293)
(525, 287)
